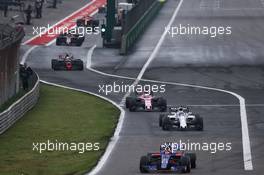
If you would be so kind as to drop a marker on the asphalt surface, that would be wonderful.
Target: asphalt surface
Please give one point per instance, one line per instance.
(233, 63)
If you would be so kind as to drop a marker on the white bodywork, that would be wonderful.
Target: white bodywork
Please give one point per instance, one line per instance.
(182, 117)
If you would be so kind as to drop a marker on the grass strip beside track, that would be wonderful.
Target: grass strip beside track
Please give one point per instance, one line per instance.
(62, 115)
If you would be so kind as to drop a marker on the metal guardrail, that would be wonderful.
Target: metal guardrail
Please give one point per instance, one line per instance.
(133, 34)
(133, 16)
(20, 107)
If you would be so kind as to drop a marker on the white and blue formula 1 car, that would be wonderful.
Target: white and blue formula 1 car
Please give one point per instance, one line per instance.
(180, 118)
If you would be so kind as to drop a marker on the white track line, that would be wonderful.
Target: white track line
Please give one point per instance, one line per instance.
(25, 56)
(157, 48)
(89, 57)
(115, 137)
(154, 53)
(89, 62)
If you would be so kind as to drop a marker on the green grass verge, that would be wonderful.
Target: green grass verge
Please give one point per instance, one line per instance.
(65, 116)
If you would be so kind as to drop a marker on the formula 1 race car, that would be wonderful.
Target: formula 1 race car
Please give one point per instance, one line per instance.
(146, 102)
(180, 118)
(87, 21)
(69, 39)
(66, 62)
(170, 159)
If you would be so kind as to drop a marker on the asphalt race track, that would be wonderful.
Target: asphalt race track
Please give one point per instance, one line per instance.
(233, 63)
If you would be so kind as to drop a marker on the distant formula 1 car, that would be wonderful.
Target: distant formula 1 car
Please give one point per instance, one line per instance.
(69, 39)
(168, 160)
(146, 102)
(87, 21)
(180, 118)
(66, 62)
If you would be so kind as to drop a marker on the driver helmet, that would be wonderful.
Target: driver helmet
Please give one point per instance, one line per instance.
(166, 148)
(183, 109)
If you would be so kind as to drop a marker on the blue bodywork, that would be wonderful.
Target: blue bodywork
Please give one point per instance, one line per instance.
(167, 163)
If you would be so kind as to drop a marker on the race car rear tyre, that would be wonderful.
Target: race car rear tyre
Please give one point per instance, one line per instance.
(143, 164)
(132, 108)
(79, 23)
(133, 105)
(54, 64)
(161, 119)
(162, 103)
(81, 67)
(58, 42)
(95, 23)
(77, 64)
(185, 161)
(128, 102)
(192, 159)
(79, 43)
(199, 123)
(166, 124)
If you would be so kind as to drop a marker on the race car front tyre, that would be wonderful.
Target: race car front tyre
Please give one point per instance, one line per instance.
(185, 162)
(128, 102)
(77, 64)
(199, 123)
(133, 105)
(80, 23)
(79, 41)
(132, 108)
(162, 103)
(166, 124)
(55, 64)
(192, 159)
(143, 164)
(58, 42)
(161, 119)
(95, 23)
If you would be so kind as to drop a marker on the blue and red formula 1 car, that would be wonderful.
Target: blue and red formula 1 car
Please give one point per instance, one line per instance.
(168, 160)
